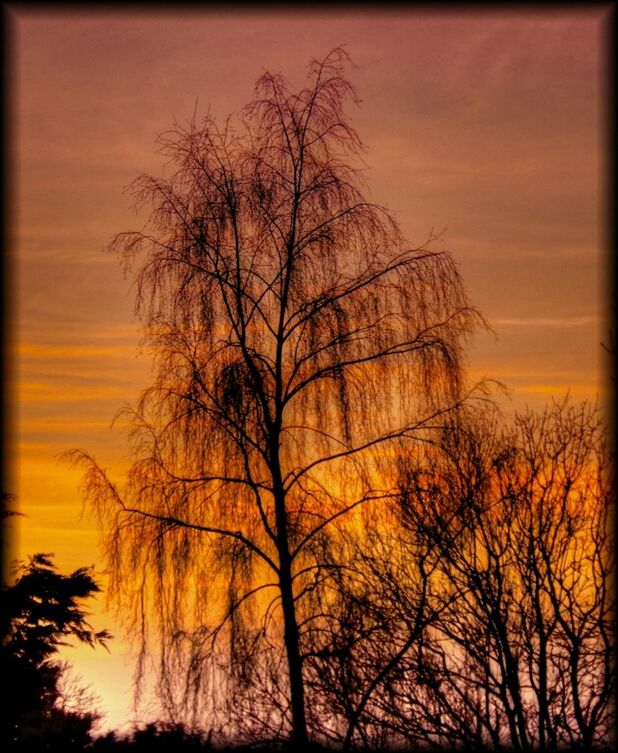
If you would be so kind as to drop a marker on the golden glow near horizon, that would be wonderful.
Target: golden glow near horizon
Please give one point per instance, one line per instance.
(487, 123)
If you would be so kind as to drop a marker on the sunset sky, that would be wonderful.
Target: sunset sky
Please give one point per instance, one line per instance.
(487, 125)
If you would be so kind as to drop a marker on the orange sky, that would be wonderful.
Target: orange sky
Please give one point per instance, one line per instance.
(488, 124)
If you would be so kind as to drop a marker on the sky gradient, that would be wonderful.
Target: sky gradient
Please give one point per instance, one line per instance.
(488, 126)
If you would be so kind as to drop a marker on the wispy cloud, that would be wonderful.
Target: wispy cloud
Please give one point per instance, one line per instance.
(35, 350)
(33, 392)
(573, 321)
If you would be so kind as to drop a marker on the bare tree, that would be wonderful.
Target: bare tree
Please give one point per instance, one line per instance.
(381, 610)
(296, 340)
(514, 644)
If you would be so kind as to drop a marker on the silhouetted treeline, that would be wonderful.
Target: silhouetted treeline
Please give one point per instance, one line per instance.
(156, 736)
(474, 612)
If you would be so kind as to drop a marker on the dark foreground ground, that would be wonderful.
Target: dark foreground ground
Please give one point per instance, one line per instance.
(154, 741)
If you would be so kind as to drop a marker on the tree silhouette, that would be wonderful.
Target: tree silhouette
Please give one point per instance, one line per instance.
(497, 590)
(42, 611)
(299, 344)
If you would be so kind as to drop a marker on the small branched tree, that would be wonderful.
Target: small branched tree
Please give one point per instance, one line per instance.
(506, 592)
(299, 342)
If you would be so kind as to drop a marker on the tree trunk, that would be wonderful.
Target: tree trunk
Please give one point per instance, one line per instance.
(292, 647)
(291, 633)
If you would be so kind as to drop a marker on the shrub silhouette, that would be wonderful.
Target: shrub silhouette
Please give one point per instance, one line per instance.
(43, 611)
